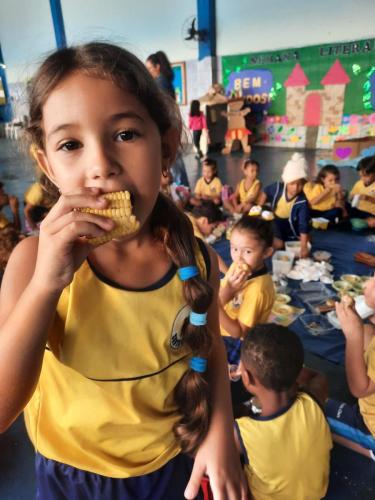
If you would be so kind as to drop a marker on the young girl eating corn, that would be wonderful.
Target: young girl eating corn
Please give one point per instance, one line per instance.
(109, 324)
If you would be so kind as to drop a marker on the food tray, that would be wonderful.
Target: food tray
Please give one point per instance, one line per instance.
(316, 324)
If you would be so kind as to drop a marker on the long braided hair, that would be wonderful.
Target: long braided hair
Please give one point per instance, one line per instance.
(168, 224)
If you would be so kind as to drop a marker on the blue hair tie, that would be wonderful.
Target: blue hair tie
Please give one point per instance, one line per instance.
(185, 273)
(198, 364)
(198, 319)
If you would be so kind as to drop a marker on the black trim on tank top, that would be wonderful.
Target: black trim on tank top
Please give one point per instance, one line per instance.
(128, 379)
(155, 286)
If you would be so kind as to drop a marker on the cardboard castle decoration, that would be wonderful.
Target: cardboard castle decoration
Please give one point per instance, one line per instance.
(313, 108)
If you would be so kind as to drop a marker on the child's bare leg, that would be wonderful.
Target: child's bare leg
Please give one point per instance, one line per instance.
(352, 446)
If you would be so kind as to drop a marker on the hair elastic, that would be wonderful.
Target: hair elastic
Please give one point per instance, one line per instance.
(198, 319)
(185, 273)
(198, 364)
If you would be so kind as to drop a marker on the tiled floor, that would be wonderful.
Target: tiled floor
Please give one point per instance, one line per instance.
(351, 477)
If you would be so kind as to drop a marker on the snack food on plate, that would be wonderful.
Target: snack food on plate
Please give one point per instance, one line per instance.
(347, 301)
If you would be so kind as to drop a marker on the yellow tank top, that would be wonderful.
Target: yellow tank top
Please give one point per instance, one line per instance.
(288, 454)
(104, 401)
(244, 195)
(211, 189)
(314, 189)
(284, 207)
(367, 404)
(360, 188)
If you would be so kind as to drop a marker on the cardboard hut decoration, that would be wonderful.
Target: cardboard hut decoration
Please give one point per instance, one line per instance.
(236, 125)
(213, 103)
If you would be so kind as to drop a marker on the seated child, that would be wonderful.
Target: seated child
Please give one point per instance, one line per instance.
(208, 187)
(365, 189)
(354, 426)
(286, 447)
(325, 196)
(12, 201)
(204, 220)
(247, 190)
(289, 203)
(178, 194)
(246, 293)
(39, 199)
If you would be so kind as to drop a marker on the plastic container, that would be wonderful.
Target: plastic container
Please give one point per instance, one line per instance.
(295, 247)
(358, 224)
(320, 223)
(316, 324)
(282, 262)
(363, 310)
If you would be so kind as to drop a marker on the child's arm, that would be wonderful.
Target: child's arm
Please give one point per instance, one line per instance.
(13, 204)
(217, 456)
(304, 247)
(37, 272)
(367, 197)
(359, 382)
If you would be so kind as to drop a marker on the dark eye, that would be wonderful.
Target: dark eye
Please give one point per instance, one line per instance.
(127, 135)
(69, 146)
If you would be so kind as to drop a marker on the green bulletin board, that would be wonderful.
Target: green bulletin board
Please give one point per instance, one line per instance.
(357, 58)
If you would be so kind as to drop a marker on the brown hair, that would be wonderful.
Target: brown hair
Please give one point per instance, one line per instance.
(323, 172)
(168, 224)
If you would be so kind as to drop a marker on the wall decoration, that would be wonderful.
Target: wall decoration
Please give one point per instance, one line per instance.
(179, 82)
(315, 95)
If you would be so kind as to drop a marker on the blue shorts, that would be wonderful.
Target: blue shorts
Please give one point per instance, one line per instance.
(282, 230)
(233, 349)
(58, 481)
(346, 420)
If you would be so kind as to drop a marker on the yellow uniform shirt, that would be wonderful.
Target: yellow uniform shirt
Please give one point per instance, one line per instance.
(251, 305)
(37, 197)
(314, 189)
(288, 454)
(105, 397)
(360, 188)
(367, 404)
(4, 222)
(245, 194)
(284, 207)
(211, 189)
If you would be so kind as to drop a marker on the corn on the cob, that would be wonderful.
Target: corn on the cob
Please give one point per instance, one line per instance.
(120, 211)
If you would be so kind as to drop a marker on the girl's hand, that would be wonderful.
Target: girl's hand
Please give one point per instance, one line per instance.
(221, 463)
(350, 322)
(236, 279)
(62, 248)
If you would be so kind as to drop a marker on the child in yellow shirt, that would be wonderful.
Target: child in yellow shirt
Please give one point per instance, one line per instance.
(325, 196)
(208, 187)
(362, 195)
(286, 448)
(354, 426)
(246, 293)
(39, 199)
(247, 190)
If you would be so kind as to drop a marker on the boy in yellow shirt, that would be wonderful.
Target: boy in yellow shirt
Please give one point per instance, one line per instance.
(286, 448)
(246, 293)
(362, 195)
(247, 190)
(208, 187)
